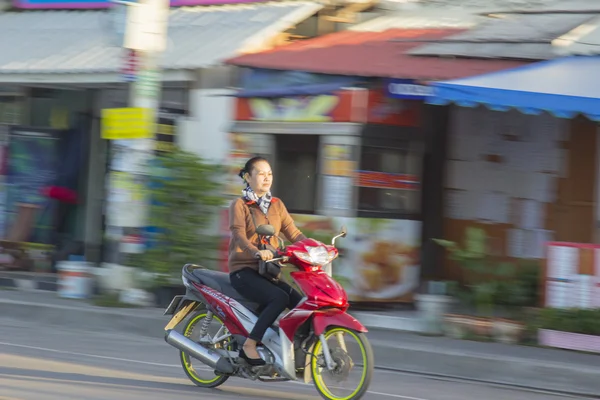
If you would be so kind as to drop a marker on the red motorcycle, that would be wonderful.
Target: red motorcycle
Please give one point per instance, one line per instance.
(311, 342)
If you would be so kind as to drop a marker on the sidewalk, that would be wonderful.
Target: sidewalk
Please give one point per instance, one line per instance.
(46, 306)
(405, 321)
(545, 369)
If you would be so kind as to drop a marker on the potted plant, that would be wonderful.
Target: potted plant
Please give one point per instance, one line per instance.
(572, 329)
(487, 282)
(185, 200)
(519, 294)
(433, 305)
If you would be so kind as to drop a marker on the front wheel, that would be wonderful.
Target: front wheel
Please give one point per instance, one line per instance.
(353, 358)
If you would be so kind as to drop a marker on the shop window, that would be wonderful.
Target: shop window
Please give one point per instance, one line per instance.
(295, 174)
(389, 184)
(11, 110)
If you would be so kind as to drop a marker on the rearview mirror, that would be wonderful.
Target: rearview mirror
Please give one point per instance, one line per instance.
(342, 234)
(266, 230)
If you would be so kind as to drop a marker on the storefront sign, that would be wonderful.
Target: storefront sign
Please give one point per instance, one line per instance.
(385, 257)
(307, 109)
(382, 180)
(33, 159)
(386, 110)
(59, 118)
(127, 123)
(379, 259)
(572, 275)
(99, 4)
(166, 129)
(127, 200)
(407, 89)
(132, 241)
(338, 160)
(335, 107)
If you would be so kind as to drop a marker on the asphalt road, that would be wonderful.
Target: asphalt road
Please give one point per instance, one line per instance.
(43, 363)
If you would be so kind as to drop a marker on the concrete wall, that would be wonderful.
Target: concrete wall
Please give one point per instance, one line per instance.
(205, 132)
(211, 109)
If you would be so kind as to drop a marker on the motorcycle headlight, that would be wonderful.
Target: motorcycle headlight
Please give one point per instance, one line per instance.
(315, 255)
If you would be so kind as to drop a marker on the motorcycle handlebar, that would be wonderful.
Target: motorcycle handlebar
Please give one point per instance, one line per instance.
(277, 256)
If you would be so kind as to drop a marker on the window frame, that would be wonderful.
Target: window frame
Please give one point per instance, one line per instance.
(396, 137)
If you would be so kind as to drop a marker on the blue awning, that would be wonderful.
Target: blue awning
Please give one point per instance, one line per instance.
(563, 87)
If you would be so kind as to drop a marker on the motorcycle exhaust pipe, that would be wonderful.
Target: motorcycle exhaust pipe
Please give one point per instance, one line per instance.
(207, 356)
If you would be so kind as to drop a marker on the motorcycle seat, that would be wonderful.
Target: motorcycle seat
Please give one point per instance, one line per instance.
(220, 282)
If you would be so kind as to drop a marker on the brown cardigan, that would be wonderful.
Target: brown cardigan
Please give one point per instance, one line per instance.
(244, 240)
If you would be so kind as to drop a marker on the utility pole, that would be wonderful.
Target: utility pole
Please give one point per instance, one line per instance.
(127, 203)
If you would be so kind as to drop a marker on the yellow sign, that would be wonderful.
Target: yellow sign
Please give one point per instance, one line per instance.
(127, 123)
(338, 160)
(59, 118)
(128, 187)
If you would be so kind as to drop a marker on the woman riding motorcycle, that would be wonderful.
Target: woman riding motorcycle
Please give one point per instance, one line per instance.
(257, 207)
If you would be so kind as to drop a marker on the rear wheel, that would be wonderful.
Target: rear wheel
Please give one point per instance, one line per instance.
(199, 373)
(354, 362)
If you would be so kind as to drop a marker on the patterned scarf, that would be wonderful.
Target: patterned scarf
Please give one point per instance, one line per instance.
(263, 202)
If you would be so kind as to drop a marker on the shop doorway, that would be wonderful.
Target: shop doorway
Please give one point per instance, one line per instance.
(573, 213)
(296, 161)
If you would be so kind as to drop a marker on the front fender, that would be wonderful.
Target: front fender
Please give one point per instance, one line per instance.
(323, 319)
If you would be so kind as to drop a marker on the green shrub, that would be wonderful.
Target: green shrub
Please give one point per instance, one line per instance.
(574, 320)
(186, 200)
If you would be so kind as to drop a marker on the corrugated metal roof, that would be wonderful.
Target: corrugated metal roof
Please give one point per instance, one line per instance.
(370, 54)
(515, 36)
(424, 19)
(82, 41)
(510, 5)
(583, 40)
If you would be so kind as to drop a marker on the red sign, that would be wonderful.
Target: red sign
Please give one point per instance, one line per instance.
(335, 107)
(384, 180)
(389, 111)
(130, 66)
(364, 106)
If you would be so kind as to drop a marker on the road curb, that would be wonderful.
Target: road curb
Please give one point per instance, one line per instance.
(435, 361)
(568, 379)
(388, 322)
(142, 321)
(27, 281)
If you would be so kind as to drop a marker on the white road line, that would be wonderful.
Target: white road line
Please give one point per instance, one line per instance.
(396, 396)
(89, 355)
(73, 353)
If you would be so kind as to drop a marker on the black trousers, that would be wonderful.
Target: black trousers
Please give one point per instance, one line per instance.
(273, 297)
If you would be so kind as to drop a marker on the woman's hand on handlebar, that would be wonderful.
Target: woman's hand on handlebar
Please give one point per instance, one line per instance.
(265, 255)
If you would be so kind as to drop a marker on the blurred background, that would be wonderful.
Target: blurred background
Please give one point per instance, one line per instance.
(456, 140)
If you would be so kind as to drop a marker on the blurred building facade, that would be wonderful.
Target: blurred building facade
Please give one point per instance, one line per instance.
(481, 173)
(362, 107)
(68, 65)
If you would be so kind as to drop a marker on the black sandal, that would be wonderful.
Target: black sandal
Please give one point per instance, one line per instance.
(253, 362)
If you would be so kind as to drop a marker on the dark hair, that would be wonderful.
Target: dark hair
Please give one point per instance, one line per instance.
(250, 165)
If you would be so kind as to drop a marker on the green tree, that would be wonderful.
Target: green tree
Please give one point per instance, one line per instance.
(186, 197)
